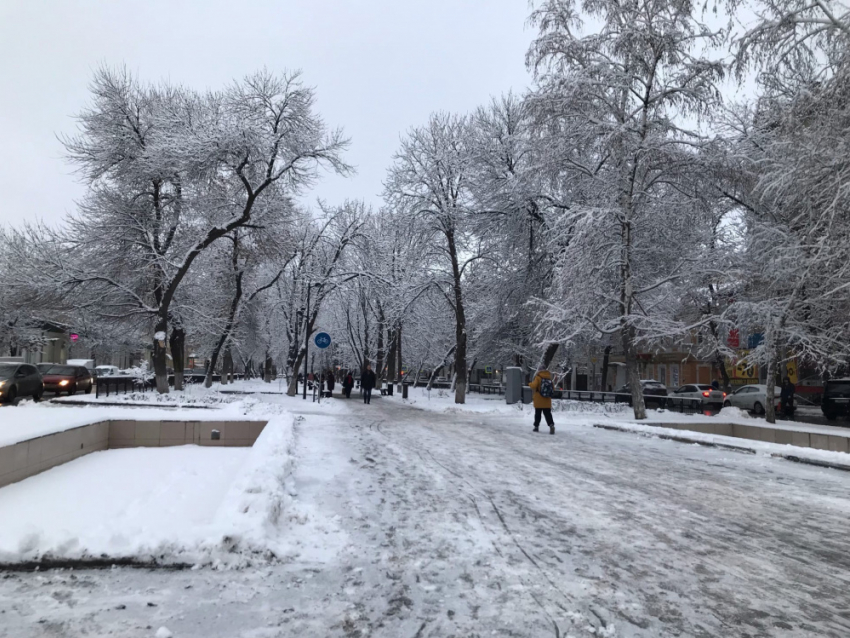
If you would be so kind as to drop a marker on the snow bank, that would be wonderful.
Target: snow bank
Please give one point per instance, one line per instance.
(733, 413)
(154, 399)
(29, 420)
(760, 447)
(187, 504)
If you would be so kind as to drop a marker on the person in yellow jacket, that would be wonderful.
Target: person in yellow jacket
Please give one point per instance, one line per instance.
(543, 387)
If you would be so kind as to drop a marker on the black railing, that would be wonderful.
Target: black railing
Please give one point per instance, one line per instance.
(117, 384)
(486, 388)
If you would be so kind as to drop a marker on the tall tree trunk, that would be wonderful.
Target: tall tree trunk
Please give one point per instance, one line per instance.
(399, 361)
(605, 360)
(633, 373)
(720, 364)
(549, 355)
(770, 391)
(379, 367)
(460, 323)
(225, 333)
(178, 350)
(227, 367)
(159, 351)
(267, 368)
(292, 390)
(440, 367)
(391, 356)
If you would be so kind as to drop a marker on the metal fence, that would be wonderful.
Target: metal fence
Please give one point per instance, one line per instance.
(486, 388)
(669, 403)
(119, 384)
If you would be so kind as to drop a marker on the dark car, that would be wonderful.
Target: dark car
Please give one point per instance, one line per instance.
(70, 379)
(19, 380)
(836, 399)
(654, 393)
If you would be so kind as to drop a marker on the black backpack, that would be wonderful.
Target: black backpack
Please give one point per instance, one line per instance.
(547, 388)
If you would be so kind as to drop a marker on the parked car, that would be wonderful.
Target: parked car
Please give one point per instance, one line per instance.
(836, 399)
(20, 380)
(107, 371)
(752, 398)
(699, 391)
(652, 390)
(70, 379)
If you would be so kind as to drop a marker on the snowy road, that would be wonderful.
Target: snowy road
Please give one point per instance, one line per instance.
(409, 523)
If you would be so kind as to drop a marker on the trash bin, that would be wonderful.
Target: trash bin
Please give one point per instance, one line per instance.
(526, 394)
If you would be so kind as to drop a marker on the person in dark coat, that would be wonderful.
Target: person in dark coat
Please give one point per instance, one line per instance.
(367, 382)
(347, 384)
(330, 381)
(786, 397)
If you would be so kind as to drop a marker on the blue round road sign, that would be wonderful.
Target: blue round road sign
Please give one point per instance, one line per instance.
(322, 340)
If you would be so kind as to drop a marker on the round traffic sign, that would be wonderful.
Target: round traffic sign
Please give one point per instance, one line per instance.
(322, 340)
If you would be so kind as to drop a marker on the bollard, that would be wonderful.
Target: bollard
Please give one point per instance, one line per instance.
(404, 391)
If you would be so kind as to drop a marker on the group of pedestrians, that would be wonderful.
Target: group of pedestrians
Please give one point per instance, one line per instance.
(367, 383)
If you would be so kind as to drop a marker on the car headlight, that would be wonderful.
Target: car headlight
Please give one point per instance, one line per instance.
(2, 383)
(64, 382)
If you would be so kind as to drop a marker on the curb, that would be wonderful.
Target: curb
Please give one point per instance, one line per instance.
(105, 404)
(724, 446)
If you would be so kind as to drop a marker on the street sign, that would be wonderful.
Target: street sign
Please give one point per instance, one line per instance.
(322, 340)
(734, 339)
(488, 369)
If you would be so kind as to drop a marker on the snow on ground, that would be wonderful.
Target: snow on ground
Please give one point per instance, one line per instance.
(621, 414)
(188, 504)
(29, 420)
(404, 523)
(128, 502)
(168, 517)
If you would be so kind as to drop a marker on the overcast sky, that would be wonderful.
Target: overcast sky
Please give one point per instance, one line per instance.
(379, 67)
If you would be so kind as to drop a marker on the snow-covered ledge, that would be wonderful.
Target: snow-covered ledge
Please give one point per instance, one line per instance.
(33, 456)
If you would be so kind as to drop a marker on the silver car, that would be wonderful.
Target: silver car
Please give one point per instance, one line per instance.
(752, 398)
(701, 392)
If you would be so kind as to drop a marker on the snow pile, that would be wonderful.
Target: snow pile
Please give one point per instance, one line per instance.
(29, 420)
(730, 412)
(760, 447)
(186, 504)
(195, 396)
(259, 495)
(587, 407)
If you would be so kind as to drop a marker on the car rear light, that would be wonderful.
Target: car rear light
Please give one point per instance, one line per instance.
(724, 395)
(706, 393)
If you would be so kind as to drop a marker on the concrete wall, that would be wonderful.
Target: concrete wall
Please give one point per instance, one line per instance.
(27, 458)
(31, 457)
(834, 443)
(165, 433)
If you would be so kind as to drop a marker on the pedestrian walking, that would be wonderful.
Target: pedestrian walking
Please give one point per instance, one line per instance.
(347, 384)
(367, 382)
(786, 397)
(543, 389)
(331, 382)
